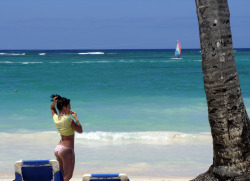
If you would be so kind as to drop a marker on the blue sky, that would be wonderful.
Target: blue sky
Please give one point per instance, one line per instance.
(110, 24)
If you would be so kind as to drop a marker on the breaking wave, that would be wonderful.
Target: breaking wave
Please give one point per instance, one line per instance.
(148, 137)
(12, 53)
(91, 53)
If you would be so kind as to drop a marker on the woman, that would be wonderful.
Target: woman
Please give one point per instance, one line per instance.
(66, 126)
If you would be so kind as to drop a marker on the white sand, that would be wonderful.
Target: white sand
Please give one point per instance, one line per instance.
(140, 161)
(136, 178)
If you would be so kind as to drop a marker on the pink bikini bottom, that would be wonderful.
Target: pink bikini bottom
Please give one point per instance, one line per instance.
(60, 148)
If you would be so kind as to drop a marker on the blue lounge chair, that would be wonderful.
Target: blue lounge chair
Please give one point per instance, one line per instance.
(38, 170)
(105, 177)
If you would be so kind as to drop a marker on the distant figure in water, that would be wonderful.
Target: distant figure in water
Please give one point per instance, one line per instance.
(66, 126)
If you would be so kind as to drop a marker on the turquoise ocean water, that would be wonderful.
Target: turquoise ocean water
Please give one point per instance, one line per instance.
(142, 98)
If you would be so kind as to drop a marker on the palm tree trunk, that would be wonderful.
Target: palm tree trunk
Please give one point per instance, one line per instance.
(229, 122)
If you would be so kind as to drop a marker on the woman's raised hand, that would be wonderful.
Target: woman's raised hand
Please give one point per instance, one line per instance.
(73, 113)
(55, 99)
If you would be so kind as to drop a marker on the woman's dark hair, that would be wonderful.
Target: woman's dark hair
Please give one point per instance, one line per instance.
(61, 101)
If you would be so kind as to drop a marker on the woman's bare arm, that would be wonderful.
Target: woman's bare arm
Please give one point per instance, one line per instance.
(53, 107)
(76, 125)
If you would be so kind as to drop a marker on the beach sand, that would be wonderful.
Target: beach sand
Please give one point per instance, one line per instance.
(140, 161)
(132, 178)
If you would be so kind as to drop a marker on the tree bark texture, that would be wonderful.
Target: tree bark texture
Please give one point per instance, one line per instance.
(229, 122)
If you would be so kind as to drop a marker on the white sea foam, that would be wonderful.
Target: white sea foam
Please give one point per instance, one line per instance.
(126, 61)
(95, 62)
(8, 62)
(148, 137)
(42, 53)
(91, 53)
(30, 62)
(54, 62)
(18, 54)
(12, 53)
(5, 62)
(111, 138)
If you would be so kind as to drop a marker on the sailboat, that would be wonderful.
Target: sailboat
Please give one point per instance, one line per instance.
(177, 51)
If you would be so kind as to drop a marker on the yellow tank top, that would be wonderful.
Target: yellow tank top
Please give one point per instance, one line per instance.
(63, 124)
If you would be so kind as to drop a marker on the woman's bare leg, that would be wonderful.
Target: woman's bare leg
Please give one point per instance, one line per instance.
(68, 159)
(60, 162)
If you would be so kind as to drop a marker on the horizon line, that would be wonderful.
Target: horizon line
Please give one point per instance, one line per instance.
(105, 49)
